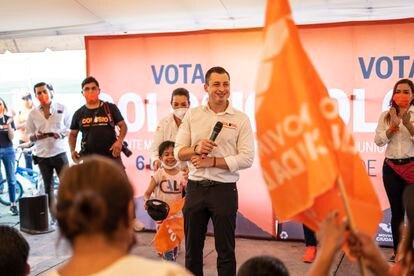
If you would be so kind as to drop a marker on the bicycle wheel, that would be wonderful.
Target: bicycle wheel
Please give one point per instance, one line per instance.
(4, 192)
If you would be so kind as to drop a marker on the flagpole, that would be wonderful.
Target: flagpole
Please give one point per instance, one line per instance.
(351, 221)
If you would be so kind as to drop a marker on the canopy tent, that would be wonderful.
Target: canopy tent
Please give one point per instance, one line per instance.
(30, 26)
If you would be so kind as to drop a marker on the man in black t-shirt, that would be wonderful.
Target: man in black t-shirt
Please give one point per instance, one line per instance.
(92, 120)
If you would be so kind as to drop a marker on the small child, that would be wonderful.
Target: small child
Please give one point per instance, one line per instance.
(167, 183)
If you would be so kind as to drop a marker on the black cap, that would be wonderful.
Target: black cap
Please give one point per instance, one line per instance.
(157, 209)
(26, 96)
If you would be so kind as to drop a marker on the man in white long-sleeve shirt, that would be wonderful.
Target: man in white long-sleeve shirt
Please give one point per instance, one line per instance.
(211, 188)
(48, 125)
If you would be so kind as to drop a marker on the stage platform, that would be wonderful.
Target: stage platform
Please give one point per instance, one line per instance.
(48, 252)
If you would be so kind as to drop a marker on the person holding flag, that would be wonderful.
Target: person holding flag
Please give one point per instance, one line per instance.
(305, 149)
(395, 130)
(167, 184)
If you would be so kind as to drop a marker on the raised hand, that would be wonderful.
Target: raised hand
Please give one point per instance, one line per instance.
(395, 120)
(406, 116)
(361, 244)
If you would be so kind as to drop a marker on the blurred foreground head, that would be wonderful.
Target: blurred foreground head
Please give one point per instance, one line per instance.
(14, 252)
(263, 266)
(95, 198)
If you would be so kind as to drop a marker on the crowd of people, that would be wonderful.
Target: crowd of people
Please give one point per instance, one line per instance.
(95, 209)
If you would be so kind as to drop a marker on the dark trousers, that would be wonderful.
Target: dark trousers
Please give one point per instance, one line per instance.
(394, 186)
(310, 238)
(46, 167)
(220, 203)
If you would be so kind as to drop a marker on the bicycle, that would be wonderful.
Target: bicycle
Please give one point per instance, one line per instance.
(28, 182)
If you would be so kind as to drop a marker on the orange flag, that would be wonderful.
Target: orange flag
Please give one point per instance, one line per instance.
(171, 231)
(304, 146)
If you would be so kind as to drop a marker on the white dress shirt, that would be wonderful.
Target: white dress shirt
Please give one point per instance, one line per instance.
(235, 142)
(166, 131)
(58, 122)
(401, 144)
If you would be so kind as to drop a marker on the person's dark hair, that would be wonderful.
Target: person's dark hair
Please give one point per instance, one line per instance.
(4, 104)
(14, 251)
(40, 84)
(89, 79)
(218, 70)
(263, 266)
(180, 92)
(93, 198)
(164, 146)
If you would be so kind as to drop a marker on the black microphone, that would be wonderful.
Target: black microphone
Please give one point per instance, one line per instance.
(216, 130)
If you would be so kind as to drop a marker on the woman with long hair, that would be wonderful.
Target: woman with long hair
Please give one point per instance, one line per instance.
(7, 154)
(395, 130)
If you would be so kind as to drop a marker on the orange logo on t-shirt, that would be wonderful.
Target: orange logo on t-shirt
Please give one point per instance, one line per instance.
(96, 120)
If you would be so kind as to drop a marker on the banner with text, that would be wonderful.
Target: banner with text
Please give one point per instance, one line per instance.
(139, 72)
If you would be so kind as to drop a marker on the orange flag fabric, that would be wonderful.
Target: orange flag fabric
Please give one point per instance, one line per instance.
(304, 146)
(171, 231)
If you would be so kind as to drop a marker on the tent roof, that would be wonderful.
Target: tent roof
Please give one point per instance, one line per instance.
(28, 25)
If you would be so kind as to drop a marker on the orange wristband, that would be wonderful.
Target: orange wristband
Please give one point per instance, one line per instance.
(214, 162)
(394, 129)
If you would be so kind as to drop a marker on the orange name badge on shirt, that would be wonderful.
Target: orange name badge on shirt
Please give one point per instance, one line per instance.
(229, 125)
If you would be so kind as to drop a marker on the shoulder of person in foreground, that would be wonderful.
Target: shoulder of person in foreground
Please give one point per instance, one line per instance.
(136, 265)
(169, 268)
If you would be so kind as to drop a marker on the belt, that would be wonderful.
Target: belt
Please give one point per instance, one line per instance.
(207, 182)
(401, 161)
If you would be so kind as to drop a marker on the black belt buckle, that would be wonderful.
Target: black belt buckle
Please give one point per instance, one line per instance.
(207, 183)
(402, 161)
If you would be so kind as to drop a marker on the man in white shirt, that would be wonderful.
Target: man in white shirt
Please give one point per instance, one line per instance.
(48, 125)
(211, 188)
(168, 126)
